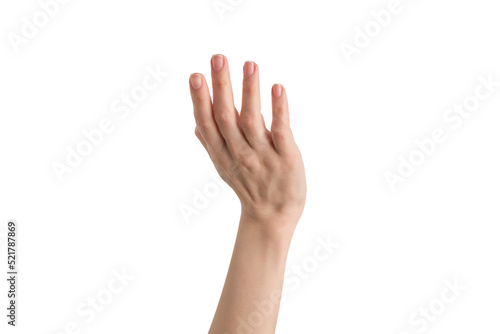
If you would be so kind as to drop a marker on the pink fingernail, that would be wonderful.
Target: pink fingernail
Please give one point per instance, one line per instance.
(248, 68)
(277, 90)
(195, 81)
(217, 62)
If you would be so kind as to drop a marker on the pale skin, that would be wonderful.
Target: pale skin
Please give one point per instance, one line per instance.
(265, 170)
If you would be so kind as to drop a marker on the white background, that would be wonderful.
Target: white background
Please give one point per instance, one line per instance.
(120, 207)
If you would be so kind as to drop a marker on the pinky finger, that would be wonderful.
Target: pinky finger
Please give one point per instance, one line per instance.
(280, 128)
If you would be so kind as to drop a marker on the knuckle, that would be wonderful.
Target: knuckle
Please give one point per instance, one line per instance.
(279, 110)
(249, 89)
(223, 116)
(241, 161)
(230, 166)
(281, 116)
(198, 98)
(291, 160)
(204, 125)
(220, 82)
(249, 122)
(280, 133)
(247, 159)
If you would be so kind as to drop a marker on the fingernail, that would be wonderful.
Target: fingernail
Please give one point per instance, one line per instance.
(195, 81)
(248, 68)
(217, 62)
(277, 90)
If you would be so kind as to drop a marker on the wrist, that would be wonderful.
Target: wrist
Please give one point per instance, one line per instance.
(267, 246)
(276, 228)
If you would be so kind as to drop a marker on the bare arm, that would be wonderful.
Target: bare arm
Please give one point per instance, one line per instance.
(265, 170)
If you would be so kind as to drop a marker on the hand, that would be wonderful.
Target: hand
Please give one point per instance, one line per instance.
(264, 168)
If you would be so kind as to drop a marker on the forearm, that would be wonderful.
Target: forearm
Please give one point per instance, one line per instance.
(251, 296)
(265, 170)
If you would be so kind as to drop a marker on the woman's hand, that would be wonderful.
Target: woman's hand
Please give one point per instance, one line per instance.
(263, 167)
